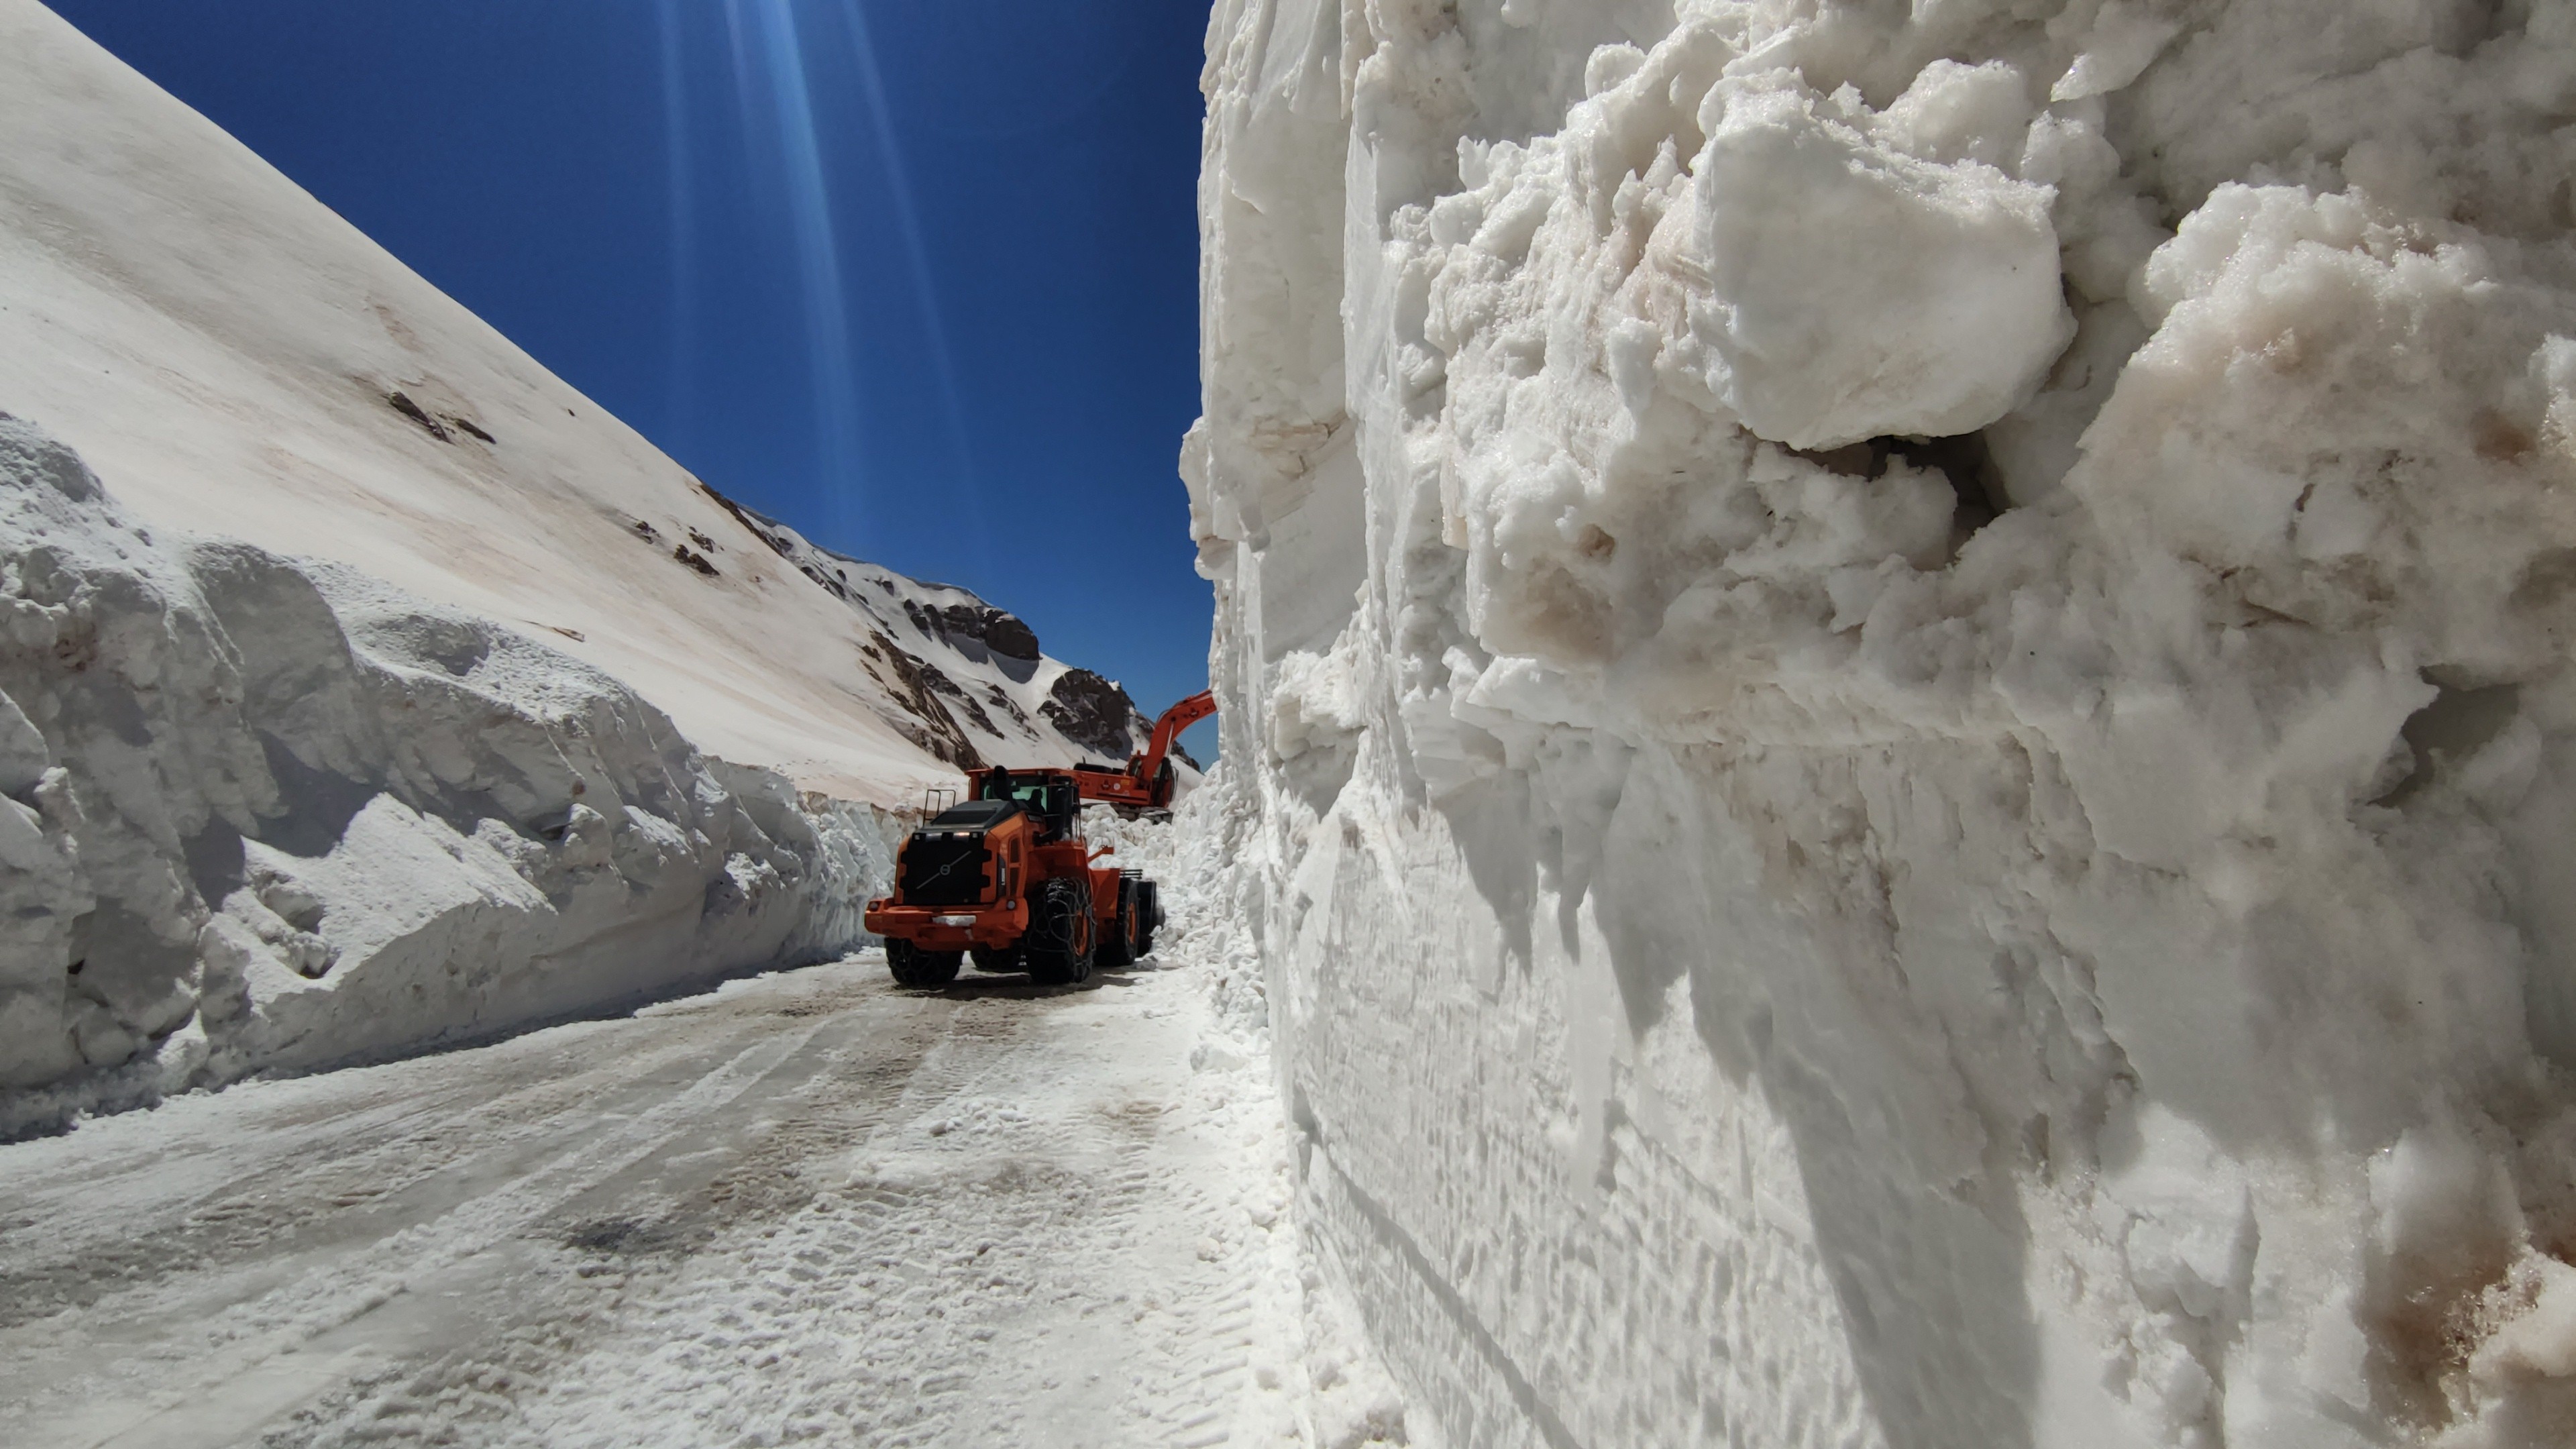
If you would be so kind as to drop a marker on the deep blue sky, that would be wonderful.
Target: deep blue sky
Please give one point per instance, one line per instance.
(949, 324)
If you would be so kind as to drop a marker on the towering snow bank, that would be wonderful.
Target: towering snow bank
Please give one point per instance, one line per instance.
(264, 813)
(239, 361)
(1901, 684)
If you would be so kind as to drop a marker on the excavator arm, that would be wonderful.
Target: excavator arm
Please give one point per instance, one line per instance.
(1167, 732)
(1146, 784)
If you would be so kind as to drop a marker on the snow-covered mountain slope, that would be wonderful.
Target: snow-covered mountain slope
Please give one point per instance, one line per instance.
(970, 674)
(1900, 732)
(233, 359)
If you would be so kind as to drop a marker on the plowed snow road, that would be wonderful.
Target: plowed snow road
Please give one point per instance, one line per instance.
(807, 1208)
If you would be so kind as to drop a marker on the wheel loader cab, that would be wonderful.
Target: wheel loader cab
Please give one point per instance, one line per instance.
(1052, 800)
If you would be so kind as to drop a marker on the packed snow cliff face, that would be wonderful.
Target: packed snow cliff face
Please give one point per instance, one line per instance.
(1901, 736)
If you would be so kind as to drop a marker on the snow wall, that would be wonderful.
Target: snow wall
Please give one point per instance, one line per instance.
(1899, 734)
(270, 813)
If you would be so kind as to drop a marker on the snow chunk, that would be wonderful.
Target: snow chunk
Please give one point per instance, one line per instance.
(1862, 292)
(2125, 40)
(2541, 1343)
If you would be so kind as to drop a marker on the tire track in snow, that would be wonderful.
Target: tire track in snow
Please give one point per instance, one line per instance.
(223, 1323)
(809, 1209)
(261, 1367)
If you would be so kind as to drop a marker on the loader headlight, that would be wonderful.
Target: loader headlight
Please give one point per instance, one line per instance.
(952, 920)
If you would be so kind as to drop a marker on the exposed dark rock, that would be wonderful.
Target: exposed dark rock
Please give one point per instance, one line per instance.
(937, 681)
(702, 541)
(403, 404)
(1002, 634)
(916, 686)
(693, 560)
(1089, 710)
(762, 527)
(466, 426)
(975, 712)
(1002, 700)
(769, 531)
(1093, 713)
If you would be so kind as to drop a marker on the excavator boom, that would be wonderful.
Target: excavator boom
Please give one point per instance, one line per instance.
(1167, 732)
(1146, 783)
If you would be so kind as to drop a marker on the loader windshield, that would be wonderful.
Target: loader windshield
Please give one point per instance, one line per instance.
(1048, 798)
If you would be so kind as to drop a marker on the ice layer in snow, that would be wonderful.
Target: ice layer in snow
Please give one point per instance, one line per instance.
(1899, 724)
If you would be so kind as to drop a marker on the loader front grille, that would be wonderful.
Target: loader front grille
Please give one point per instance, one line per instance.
(943, 870)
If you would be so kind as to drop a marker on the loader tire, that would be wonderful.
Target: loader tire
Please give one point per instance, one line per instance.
(1061, 934)
(921, 970)
(1149, 917)
(1118, 947)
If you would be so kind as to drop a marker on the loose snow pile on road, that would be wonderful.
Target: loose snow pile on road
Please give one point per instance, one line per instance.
(269, 813)
(1899, 721)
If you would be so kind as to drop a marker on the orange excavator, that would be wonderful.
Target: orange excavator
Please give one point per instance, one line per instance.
(1006, 877)
(1146, 783)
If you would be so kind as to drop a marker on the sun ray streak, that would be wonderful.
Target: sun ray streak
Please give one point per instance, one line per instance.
(684, 234)
(746, 84)
(925, 286)
(781, 53)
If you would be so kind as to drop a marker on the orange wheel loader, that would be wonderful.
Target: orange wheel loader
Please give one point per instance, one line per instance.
(1006, 876)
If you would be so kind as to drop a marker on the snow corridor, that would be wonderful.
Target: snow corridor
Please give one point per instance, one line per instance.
(806, 1208)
